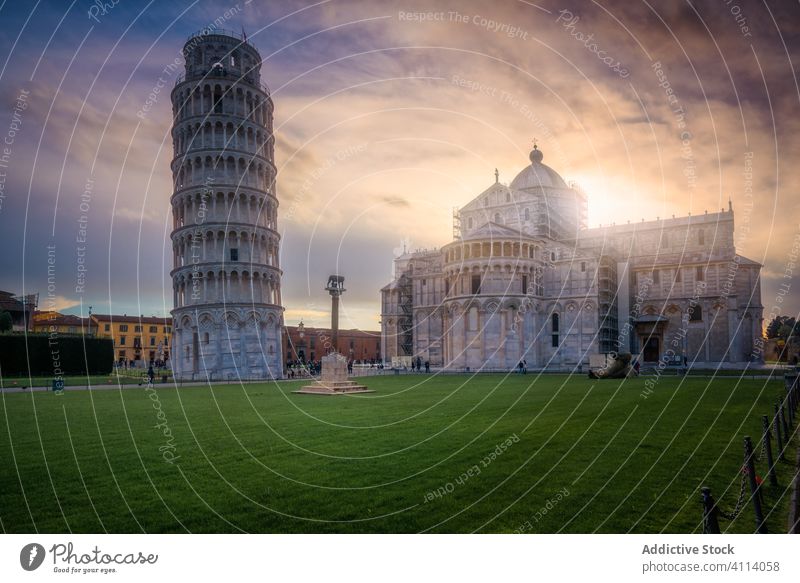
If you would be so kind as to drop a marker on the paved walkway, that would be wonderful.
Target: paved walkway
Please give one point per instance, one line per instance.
(110, 387)
(763, 372)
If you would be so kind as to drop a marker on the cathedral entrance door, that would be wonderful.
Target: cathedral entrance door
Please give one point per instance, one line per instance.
(651, 350)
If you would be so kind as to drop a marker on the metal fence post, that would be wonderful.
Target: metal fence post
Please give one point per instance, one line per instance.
(761, 526)
(784, 425)
(778, 438)
(773, 478)
(710, 520)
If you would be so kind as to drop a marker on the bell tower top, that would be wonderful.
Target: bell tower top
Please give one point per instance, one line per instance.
(221, 53)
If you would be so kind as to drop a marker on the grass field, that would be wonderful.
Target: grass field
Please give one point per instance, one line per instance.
(416, 455)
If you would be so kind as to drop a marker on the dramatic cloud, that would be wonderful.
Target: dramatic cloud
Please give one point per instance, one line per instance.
(389, 115)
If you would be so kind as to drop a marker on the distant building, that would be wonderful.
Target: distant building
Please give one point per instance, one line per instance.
(524, 278)
(360, 345)
(49, 322)
(138, 340)
(20, 308)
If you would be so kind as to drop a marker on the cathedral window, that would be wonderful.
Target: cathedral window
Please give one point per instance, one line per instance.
(678, 276)
(554, 321)
(496, 217)
(554, 329)
(695, 313)
(205, 338)
(234, 255)
(656, 277)
(701, 237)
(469, 223)
(583, 266)
(524, 284)
(508, 197)
(527, 214)
(700, 276)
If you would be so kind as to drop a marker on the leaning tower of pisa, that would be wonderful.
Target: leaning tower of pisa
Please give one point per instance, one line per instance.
(226, 277)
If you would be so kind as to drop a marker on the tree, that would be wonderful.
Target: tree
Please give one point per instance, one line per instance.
(5, 321)
(782, 327)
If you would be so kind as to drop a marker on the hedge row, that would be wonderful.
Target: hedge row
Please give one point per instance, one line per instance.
(61, 355)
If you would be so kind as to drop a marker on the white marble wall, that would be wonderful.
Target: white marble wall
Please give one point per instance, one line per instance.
(226, 247)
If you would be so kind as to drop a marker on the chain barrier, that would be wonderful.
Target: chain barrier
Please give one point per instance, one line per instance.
(737, 510)
(713, 509)
(762, 453)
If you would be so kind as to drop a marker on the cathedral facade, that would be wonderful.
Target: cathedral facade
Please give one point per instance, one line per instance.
(524, 279)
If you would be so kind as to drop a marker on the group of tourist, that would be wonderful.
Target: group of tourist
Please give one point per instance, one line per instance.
(124, 364)
(297, 368)
(416, 365)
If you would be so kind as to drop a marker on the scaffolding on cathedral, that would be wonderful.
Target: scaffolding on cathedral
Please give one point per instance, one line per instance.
(405, 319)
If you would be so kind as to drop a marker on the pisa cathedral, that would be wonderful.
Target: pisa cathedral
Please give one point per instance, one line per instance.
(226, 277)
(525, 279)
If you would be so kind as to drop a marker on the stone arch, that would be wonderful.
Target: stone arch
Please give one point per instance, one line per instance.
(231, 320)
(554, 307)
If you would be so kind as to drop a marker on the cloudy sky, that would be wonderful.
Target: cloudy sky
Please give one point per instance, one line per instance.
(387, 119)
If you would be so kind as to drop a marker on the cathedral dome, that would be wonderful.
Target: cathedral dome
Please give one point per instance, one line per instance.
(537, 174)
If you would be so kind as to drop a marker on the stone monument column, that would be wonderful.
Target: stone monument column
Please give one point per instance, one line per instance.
(335, 287)
(333, 376)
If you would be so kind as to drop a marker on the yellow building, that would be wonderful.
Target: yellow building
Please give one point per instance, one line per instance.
(136, 338)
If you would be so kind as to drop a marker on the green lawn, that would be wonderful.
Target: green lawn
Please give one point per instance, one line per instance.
(260, 459)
